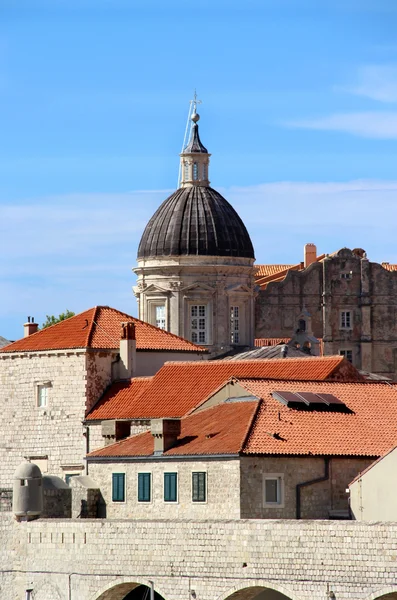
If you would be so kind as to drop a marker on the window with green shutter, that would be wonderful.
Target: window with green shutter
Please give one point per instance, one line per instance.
(144, 487)
(118, 487)
(170, 487)
(199, 486)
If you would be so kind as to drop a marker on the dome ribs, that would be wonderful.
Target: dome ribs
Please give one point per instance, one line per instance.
(195, 220)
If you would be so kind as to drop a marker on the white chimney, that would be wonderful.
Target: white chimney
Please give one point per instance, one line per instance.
(30, 327)
(309, 254)
(127, 363)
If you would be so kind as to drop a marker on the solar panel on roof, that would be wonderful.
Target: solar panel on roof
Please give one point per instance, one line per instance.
(288, 397)
(330, 399)
(310, 401)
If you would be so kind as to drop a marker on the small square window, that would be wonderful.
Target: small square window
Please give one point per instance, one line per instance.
(273, 490)
(170, 487)
(144, 487)
(199, 486)
(346, 275)
(118, 487)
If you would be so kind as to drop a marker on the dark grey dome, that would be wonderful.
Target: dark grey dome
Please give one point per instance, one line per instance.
(195, 220)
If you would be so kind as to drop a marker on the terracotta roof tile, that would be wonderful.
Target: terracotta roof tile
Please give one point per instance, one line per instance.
(221, 429)
(266, 270)
(118, 399)
(262, 342)
(178, 387)
(100, 327)
(369, 430)
(389, 267)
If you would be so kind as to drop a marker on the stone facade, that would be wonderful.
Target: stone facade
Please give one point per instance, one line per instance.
(223, 484)
(344, 282)
(209, 560)
(320, 500)
(235, 487)
(217, 282)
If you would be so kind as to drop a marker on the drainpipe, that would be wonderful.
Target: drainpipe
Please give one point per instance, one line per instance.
(151, 590)
(325, 477)
(28, 594)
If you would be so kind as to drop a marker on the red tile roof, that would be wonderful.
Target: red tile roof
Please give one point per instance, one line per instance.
(118, 399)
(389, 267)
(271, 428)
(221, 429)
(100, 327)
(369, 430)
(178, 387)
(265, 270)
(262, 342)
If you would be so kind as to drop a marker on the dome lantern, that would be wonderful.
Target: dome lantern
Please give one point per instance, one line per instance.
(194, 158)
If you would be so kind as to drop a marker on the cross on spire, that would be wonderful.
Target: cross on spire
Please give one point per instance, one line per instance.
(195, 101)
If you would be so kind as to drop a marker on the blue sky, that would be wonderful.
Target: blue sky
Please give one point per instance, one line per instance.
(299, 112)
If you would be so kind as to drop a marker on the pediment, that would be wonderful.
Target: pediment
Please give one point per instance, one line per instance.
(238, 288)
(155, 289)
(198, 288)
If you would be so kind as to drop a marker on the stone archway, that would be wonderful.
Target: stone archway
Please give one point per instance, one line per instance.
(385, 594)
(256, 590)
(127, 590)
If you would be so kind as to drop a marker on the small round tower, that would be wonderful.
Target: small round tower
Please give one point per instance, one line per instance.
(27, 498)
(195, 261)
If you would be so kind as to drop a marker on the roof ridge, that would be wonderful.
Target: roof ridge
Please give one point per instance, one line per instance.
(251, 423)
(91, 327)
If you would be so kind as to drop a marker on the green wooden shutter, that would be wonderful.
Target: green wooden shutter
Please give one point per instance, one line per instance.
(144, 487)
(118, 487)
(199, 487)
(170, 487)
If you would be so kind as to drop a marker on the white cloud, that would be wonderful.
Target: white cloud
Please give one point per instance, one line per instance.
(77, 251)
(378, 82)
(370, 124)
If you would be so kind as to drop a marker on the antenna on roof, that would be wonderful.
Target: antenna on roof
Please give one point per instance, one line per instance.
(192, 111)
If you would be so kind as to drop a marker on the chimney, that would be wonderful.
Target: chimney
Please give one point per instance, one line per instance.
(309, 254)
(127, 363)
(30, 327)
(165, 433)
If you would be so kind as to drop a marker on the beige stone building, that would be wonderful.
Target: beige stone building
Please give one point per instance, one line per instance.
(52, 378)
(351, 302)
(277, 439)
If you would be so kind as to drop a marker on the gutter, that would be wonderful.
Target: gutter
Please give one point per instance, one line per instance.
(325, 477)
(179, 457)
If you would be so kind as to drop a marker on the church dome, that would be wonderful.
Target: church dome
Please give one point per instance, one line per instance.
(195, 220)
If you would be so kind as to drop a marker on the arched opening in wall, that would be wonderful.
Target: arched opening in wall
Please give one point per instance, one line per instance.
(258, 593)
(129, 591)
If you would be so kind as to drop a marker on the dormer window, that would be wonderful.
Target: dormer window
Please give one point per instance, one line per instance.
(302, 325)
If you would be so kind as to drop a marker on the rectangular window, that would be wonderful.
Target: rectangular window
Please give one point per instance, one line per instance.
(170, 487)
(199, 487)
(160, 317)
(144, 487)
(346, 275)
(348, 354)
(118, 487)
(42, 395)
(345, 319)
(234, 325)
(273, 491)
(195, 171)
(198, 323)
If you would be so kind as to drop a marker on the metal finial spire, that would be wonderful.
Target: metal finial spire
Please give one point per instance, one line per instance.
(194, 117)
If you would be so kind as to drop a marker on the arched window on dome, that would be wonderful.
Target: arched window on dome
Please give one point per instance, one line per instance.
(195, 171)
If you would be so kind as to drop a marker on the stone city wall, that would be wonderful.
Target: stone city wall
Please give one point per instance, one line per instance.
(95, 560)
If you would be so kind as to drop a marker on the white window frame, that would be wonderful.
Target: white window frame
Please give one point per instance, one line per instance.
(42, 385)
(280, 487)
(232, 319)
(118, 472)
(194, 502)
(170, 470)
(198, 304)
(152, 304)
(145, 472)
(343, 319)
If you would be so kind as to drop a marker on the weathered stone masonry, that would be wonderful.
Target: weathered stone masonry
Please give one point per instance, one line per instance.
(301, 559)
